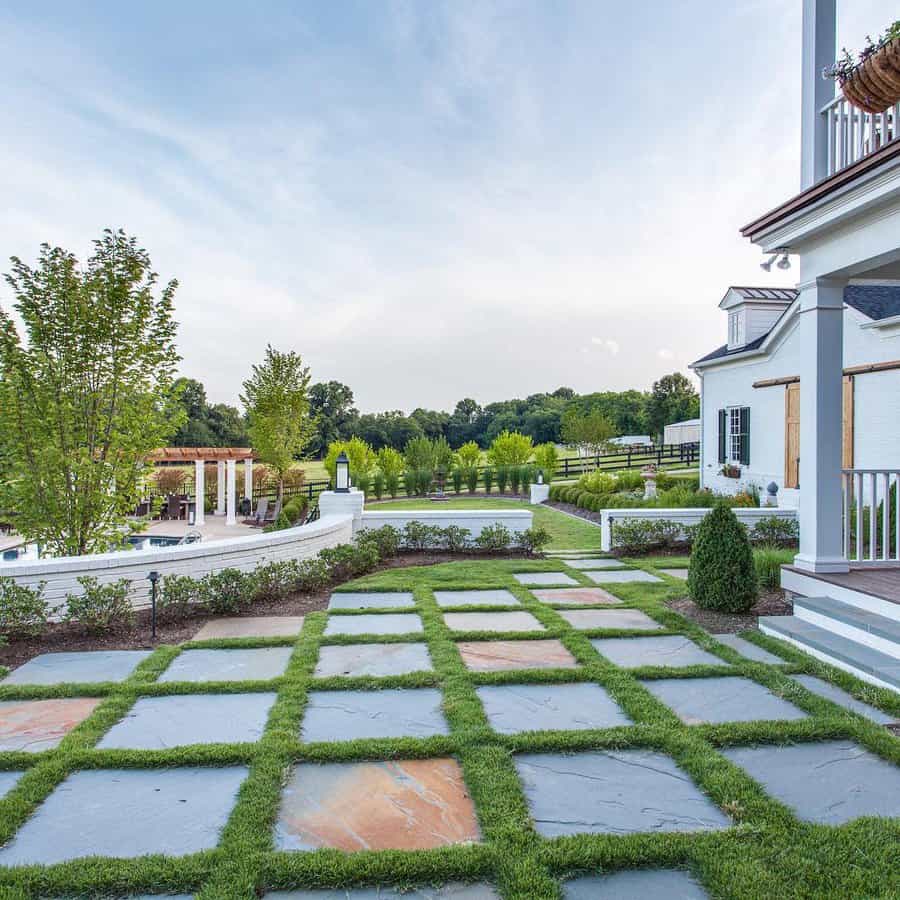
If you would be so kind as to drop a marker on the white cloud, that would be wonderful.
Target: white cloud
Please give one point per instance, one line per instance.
(609, 345)
(665, 353)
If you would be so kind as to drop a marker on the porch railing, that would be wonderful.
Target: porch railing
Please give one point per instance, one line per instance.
(854, 134)
(871, 516)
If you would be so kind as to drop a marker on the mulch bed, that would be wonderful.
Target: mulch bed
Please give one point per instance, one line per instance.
(770, 603)
(62, 637)
(574, 510)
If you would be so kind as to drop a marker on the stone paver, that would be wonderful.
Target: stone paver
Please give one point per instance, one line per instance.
(539, 578)
(371, 600)
(446, 892)
(832, 692)
(699, 700)
(386, 623)
(613, 792)
(127, 813)
(511, 708)
(257, 664)
(586, 619)
(661, 650)
(623, 576)
(31, 726)
(675, 573)
(592, 596)
(476, 598)
(492, 621)
(396, 805)
(748, 649)
(250, 626)
(501, 656)
(8, 781)
(85, 667)
(158, 723)
(372, 659)
(596, 563)
(348, 715)
(636, 884)
(829, 782)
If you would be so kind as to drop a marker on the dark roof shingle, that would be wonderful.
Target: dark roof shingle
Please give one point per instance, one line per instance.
(877, 301)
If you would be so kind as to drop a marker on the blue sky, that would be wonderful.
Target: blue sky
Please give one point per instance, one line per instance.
(428, 200)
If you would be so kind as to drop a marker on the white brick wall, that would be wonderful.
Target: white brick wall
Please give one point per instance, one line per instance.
(516, 520)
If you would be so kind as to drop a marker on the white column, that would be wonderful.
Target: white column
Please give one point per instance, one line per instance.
(230, 518)
(821, 363)
(819, 52)
(248, 479)
(200, 492)
(220, 487)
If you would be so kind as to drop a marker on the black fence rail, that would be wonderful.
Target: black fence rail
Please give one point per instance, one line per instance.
(630, 458)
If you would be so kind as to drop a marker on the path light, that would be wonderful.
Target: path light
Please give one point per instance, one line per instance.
(153, 578)
(540, 476)
(342, 474)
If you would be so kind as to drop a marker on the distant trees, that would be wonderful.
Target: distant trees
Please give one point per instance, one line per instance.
(591, 431)
(331, 408)
(205, 425)
(672, 399)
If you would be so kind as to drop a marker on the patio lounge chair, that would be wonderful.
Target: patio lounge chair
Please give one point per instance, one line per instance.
(273, 513)
(260, 516)
(173, 507)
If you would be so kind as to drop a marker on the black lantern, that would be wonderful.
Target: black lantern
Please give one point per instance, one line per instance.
(342, 474)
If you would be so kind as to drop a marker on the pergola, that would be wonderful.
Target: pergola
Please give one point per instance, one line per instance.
(226, 459)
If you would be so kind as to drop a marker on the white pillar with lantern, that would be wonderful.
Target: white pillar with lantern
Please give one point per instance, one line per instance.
(539, 492)
(344, 499)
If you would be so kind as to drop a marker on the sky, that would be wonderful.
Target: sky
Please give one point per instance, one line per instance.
(427, 199)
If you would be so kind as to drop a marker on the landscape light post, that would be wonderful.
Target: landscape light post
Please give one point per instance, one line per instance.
(153, 578)
(342, 474)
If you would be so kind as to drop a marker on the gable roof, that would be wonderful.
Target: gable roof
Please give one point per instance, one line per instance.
(877, 301)
(766, 293)
(725, 350)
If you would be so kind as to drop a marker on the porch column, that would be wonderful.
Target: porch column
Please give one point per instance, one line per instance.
(821, 362)
(818, 53)
(199, 492)
(230, 518)
(248, 479)
(220, 487)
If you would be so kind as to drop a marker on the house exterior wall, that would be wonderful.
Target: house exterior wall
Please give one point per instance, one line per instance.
(876, 434)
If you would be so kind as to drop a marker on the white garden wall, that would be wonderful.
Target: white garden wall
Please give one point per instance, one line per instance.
(196, 560)
(692, 516)
(516, 520)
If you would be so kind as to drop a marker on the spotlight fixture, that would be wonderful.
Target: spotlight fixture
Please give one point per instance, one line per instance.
(783, 263)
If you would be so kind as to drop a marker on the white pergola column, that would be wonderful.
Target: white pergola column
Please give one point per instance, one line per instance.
(821, 333)
(231, 468)
(199, 492)
(220, 487)
(248, 479)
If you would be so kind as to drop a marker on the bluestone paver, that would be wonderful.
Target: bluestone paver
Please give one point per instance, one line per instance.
(353, 660)
(158, 723)
(250, 626)
(493, 621)
(657, 650)
(581, 596)
(727, 699)
(255, 664)
(511, 708)
(476, 598)
(587, 619)
(30, 726)
(596, 563)
(748, 649)
(636, 884)
(675, 573)
(8, 781)
(348, 715)
(85, 667)
(541, 578)
(623, 576)
(386, 623)
(501, 656)
(828, 782)
(613, 792)
(389, 805)
(445, 892)
(832, 692)
(371, 600)
(128, 813)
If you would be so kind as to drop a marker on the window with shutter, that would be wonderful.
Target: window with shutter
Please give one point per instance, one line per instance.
(745, 436)
(723, 454)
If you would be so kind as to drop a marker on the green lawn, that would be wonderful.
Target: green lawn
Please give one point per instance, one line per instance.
(568, 532)
(768, 853)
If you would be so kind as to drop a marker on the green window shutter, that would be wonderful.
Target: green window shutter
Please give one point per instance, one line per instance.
(723, 434)
(745, 435)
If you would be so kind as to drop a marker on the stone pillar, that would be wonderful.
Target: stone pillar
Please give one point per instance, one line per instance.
(821, 333)
(538, 493)
(199, 493)
(220, 487)
(248, 479)
(332, 503)
(231, 468)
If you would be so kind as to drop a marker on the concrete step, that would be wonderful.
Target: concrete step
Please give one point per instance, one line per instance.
(865, 662)
(850, 621)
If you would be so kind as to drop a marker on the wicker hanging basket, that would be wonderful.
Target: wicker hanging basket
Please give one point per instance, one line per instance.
(874, 85)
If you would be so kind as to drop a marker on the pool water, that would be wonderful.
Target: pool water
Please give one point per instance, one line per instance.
(30, 552)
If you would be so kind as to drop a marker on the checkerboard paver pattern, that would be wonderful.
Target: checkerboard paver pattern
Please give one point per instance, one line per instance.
(411, 688)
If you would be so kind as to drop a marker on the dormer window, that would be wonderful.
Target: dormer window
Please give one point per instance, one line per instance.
(735, 329)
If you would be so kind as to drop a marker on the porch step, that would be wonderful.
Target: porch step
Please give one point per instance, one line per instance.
(868, 664)
(860, 625)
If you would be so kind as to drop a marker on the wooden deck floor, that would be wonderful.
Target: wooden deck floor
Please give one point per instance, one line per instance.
(881, 581)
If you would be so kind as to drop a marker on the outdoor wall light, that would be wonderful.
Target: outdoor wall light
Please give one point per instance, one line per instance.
(342, 474)
(783, 263)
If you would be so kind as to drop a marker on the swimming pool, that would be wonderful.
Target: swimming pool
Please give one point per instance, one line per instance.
(30, 552)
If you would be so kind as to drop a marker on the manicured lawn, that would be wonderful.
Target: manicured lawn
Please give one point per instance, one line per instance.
(609, 778)
(568, 532)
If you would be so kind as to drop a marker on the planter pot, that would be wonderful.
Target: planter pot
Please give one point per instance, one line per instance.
(874, 85)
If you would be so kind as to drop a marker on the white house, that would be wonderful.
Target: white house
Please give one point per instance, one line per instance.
(750, 388)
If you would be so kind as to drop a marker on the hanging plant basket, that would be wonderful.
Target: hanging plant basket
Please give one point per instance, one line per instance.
(874, 85)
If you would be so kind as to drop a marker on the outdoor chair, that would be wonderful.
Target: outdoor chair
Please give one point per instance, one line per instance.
(173, 507)
(273, 514)
(260, 516)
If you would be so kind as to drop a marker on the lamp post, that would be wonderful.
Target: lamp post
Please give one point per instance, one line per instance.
(153, 578)
(342, 474)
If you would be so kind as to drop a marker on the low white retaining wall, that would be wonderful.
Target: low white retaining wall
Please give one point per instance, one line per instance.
(516, 520)
(749, 516)
(196, 560)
